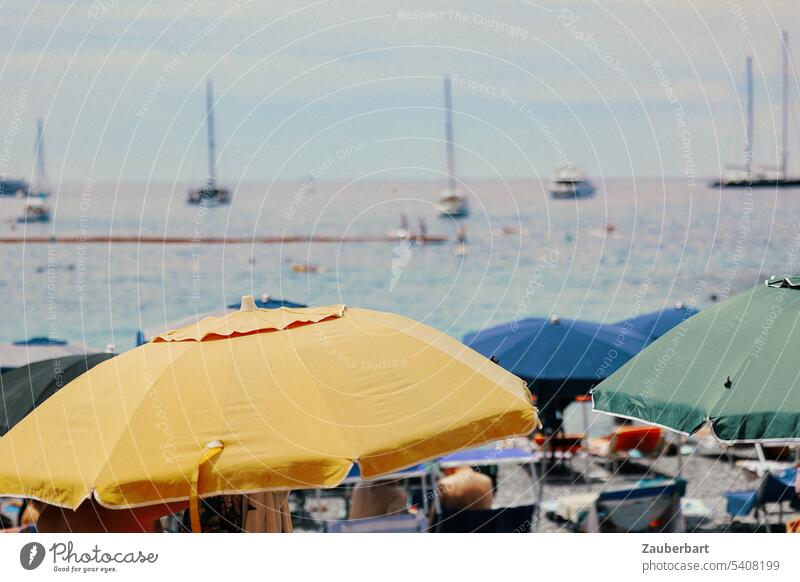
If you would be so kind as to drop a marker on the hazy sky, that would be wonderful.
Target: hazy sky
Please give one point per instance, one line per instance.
(641, 87)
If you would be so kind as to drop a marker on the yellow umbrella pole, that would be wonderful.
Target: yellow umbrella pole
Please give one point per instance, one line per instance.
(210, 451)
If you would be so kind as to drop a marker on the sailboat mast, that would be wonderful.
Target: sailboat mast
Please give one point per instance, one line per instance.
(451, 160)
(749, 146)
(41, 176)
(785, 108)
(212, 159)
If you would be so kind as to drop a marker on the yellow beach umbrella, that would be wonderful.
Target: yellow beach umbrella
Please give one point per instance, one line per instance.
(261, 400)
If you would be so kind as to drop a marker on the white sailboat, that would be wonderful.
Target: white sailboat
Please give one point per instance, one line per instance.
(452, 201)
(210, 194)
(750, 175)
(36, 209)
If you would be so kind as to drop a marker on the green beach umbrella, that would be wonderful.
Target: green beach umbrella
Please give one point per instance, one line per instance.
(23, 389)
(736, 364)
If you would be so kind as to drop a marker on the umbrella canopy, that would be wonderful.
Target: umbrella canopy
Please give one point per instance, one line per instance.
(261, 400)
(734, 364)
(25, 388)
(560, 358)
(655, 324)
(35, 349)
(557, 349)
(264, 302)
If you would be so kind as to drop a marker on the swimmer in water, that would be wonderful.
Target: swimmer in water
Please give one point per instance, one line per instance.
(423, 231)
(461, 246)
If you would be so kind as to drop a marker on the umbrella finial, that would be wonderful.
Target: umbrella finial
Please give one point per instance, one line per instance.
(248, 303)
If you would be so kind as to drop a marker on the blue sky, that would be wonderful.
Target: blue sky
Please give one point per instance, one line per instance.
(622, 88)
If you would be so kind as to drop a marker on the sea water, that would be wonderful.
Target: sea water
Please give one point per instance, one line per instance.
(637, 245)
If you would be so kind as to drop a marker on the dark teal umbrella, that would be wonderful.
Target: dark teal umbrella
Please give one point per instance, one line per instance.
(736, 364)
(23, 389)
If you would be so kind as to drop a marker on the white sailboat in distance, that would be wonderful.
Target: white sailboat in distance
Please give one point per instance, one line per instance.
(452, 202)
(750, 175)
(210, 194)
(36, 209)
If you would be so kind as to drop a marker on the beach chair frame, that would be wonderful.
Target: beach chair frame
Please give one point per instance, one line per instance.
(768, 499)
(537, 481)
(399, 523)
(655, 501)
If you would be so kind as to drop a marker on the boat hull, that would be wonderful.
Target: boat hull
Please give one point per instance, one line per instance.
(760, 183)
(34, 216)
(453, 206)
(453, 212)
(33, 219)
(209, 196)
(572, 190)
(13, 187)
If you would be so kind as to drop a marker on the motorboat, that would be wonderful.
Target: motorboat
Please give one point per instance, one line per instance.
(568, 181)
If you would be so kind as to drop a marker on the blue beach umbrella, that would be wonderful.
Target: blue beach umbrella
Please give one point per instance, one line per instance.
(560, 359)
(654, 325)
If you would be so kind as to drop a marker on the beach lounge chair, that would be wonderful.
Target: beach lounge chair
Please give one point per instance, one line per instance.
(626, 442)
(773, 488)
(416, 479)
(501, 520)
(400, 523)
(754, 469)
(485, 456)
(653, 505)
(507, 519)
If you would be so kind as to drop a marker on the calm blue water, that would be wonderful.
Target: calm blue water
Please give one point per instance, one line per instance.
(528, 255)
